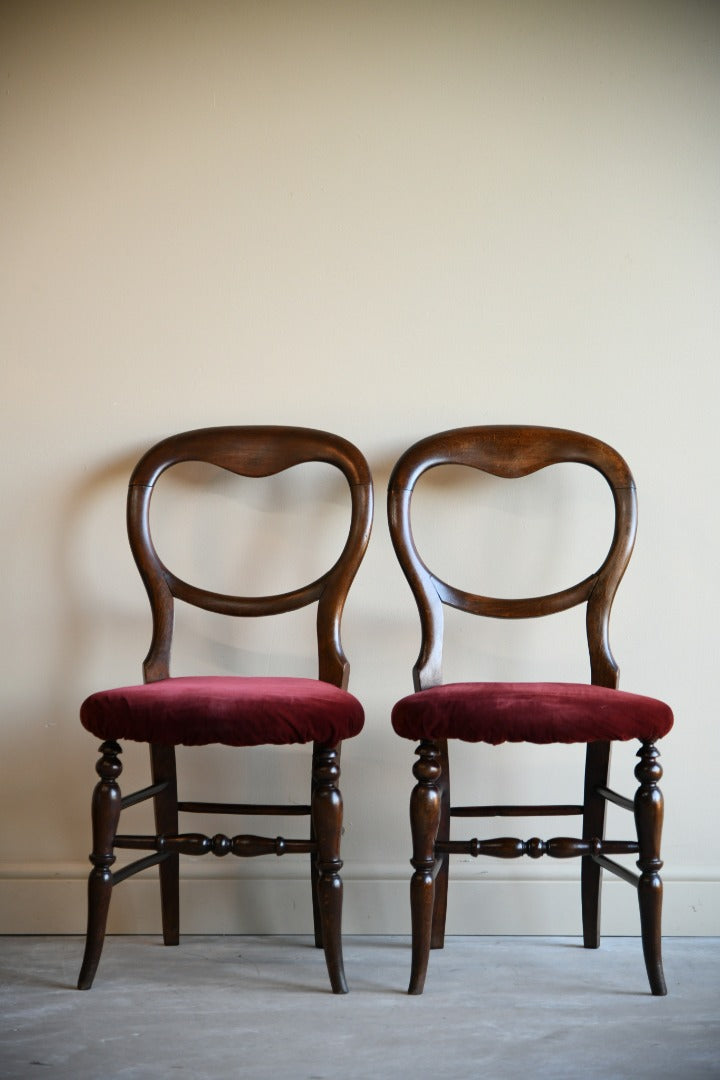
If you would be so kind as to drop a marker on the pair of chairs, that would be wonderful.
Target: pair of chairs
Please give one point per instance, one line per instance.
(165, 712)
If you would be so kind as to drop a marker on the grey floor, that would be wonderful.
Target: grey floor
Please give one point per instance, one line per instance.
(259, 1007)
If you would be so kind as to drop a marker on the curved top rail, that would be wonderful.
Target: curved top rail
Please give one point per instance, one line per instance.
(252, 450)
(509, 451)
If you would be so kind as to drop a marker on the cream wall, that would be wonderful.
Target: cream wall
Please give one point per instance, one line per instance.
(383, 219)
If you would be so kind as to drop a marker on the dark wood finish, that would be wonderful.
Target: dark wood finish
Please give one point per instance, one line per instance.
(263, 809)
(258, 451)
(425, 808)
(556, 810)
(649, 820)
(597, 766)
(105, 810)
(326, 815)
(165, 805)
(314, 873)
(510, 452)
(245, 844)
(619, 800)
(559, 847)
(442, 877)
(250, 451)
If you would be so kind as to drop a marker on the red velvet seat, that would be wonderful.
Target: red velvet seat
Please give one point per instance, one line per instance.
(231, 710)
(530, 712)
(595, 714)
(234, 711)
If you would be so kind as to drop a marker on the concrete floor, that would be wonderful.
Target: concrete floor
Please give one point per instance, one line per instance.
(259, 1007)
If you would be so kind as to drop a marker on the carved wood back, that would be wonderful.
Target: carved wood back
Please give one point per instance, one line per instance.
(254, 451)
(512, 451)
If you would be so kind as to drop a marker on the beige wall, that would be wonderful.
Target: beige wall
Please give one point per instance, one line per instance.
(383, 219)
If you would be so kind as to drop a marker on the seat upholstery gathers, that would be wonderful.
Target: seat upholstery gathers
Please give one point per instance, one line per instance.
(232, 710)
(498, 712)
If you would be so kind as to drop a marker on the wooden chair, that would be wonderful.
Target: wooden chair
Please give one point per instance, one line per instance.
(492, 712)
(234, 711)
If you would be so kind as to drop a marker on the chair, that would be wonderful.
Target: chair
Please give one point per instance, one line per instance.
(234, 711)
(496, 712)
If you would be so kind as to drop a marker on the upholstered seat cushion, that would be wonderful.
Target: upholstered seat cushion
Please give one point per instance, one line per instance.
(529, 712)
(233, 710)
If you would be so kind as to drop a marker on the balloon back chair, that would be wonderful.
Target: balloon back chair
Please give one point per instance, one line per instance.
(234, 711)
(594, 714)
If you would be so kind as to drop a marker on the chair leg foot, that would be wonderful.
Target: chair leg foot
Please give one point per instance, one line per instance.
(590, 886)
(650, 901)
(421, 906)
(169, 900)
(99, 892)
(330, 894)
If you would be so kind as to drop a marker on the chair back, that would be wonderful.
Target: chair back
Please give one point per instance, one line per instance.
(254, 451)
(512, 451)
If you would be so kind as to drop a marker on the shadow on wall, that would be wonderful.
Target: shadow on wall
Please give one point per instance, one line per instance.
(91, 557)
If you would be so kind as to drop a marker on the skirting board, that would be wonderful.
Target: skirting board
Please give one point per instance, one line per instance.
(52, 900)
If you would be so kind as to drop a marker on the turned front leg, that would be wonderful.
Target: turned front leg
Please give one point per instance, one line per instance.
(326, 813)
(649, 822)
(425, 806)
(106, 805)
